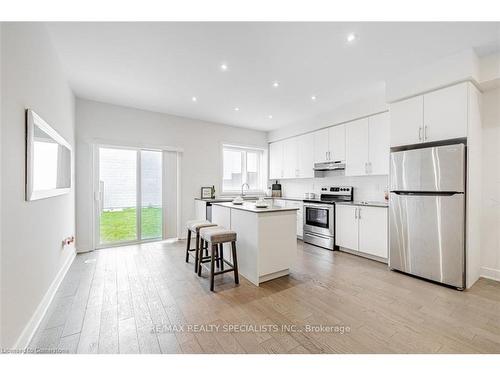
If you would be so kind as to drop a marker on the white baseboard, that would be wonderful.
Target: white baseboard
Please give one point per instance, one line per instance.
(490, 273)
(30, 329)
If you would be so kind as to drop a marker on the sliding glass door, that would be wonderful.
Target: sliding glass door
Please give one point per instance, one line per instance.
(129, 195)
(151, 195)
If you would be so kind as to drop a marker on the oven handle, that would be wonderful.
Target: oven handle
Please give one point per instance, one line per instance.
(313, 205)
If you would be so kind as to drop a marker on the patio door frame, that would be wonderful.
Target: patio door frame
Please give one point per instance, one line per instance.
(98, 197)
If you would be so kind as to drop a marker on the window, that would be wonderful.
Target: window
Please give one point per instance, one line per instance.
(242, 165)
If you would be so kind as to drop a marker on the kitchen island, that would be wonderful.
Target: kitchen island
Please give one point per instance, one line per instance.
(266, 238)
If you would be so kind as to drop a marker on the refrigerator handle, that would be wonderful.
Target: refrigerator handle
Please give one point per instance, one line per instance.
(426, 193)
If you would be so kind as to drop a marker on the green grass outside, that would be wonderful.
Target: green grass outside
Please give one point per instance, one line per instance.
(119, 226)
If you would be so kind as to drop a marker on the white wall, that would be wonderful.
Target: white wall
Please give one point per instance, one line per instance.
(32, 232)
(201, 161)
(490, 239)
(459, 67)
(1, 169)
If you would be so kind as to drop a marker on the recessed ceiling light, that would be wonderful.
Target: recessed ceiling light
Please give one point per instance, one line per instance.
(223, 67)
(276, 84)
(351, 37)
(194, 99)
(313, 98)
(236, 109)
(270, 117)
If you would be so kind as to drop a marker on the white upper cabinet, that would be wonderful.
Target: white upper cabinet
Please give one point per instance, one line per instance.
(436, 116)
(407, 117)
(367, 146)
(336, 141)
(362, 144)
(276, 160)
(329, 144)
(357, 156)
(445, 113)
(321, 146)
(290, 158)
(306, 156)
(378, 144)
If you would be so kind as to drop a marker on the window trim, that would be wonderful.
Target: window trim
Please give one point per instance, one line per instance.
(262, 169)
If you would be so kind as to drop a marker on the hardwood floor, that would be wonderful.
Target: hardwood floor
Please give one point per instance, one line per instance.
(146, 299)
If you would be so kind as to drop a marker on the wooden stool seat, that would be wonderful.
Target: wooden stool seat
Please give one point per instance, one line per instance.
(215, 238)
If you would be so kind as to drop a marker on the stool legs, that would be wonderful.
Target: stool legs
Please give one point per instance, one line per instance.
(197, 252)
(200, 257)
(212, 266)
(235, 263)
(188, 245)
(216, 259)
(221, 255)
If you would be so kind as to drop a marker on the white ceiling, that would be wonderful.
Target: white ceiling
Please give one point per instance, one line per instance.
(161, 66)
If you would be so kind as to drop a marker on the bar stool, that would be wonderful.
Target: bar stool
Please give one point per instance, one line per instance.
(215, 238)
(194, 226)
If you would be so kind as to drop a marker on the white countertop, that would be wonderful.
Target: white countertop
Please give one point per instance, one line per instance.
(250, 206)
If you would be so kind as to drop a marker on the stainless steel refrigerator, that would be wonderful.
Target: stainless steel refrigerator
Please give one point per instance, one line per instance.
(427, 213)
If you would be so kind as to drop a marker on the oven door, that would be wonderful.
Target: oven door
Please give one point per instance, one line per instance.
(318, 218)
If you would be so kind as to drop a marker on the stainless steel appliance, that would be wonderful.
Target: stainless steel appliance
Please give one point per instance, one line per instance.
(319, 215)
(427, 213)
(329, 166)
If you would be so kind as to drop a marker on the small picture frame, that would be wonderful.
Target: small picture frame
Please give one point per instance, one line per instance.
(206, 192)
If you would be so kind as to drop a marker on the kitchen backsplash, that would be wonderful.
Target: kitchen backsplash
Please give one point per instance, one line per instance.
(366, 188)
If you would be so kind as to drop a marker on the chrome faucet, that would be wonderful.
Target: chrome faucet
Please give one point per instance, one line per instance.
(242, 186)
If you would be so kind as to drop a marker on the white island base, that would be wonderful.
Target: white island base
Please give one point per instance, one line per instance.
(266, 239)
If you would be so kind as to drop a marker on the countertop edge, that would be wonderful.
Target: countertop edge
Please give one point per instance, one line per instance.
(255, 209)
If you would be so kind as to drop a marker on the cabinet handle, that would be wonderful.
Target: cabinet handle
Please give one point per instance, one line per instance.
(425, 132)
(419, 133)
(359, 213)
(355, 212)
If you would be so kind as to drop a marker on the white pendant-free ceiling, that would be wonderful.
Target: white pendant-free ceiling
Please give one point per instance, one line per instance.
(256, 75)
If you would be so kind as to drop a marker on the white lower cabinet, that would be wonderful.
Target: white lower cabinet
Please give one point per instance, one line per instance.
(362, 229)
(373, 231)
(300, 217)
(346, 226)
(300, 212)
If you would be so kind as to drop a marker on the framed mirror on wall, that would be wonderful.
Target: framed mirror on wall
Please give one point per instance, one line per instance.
(48, 160)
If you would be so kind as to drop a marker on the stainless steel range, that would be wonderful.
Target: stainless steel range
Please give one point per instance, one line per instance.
(319, 215)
